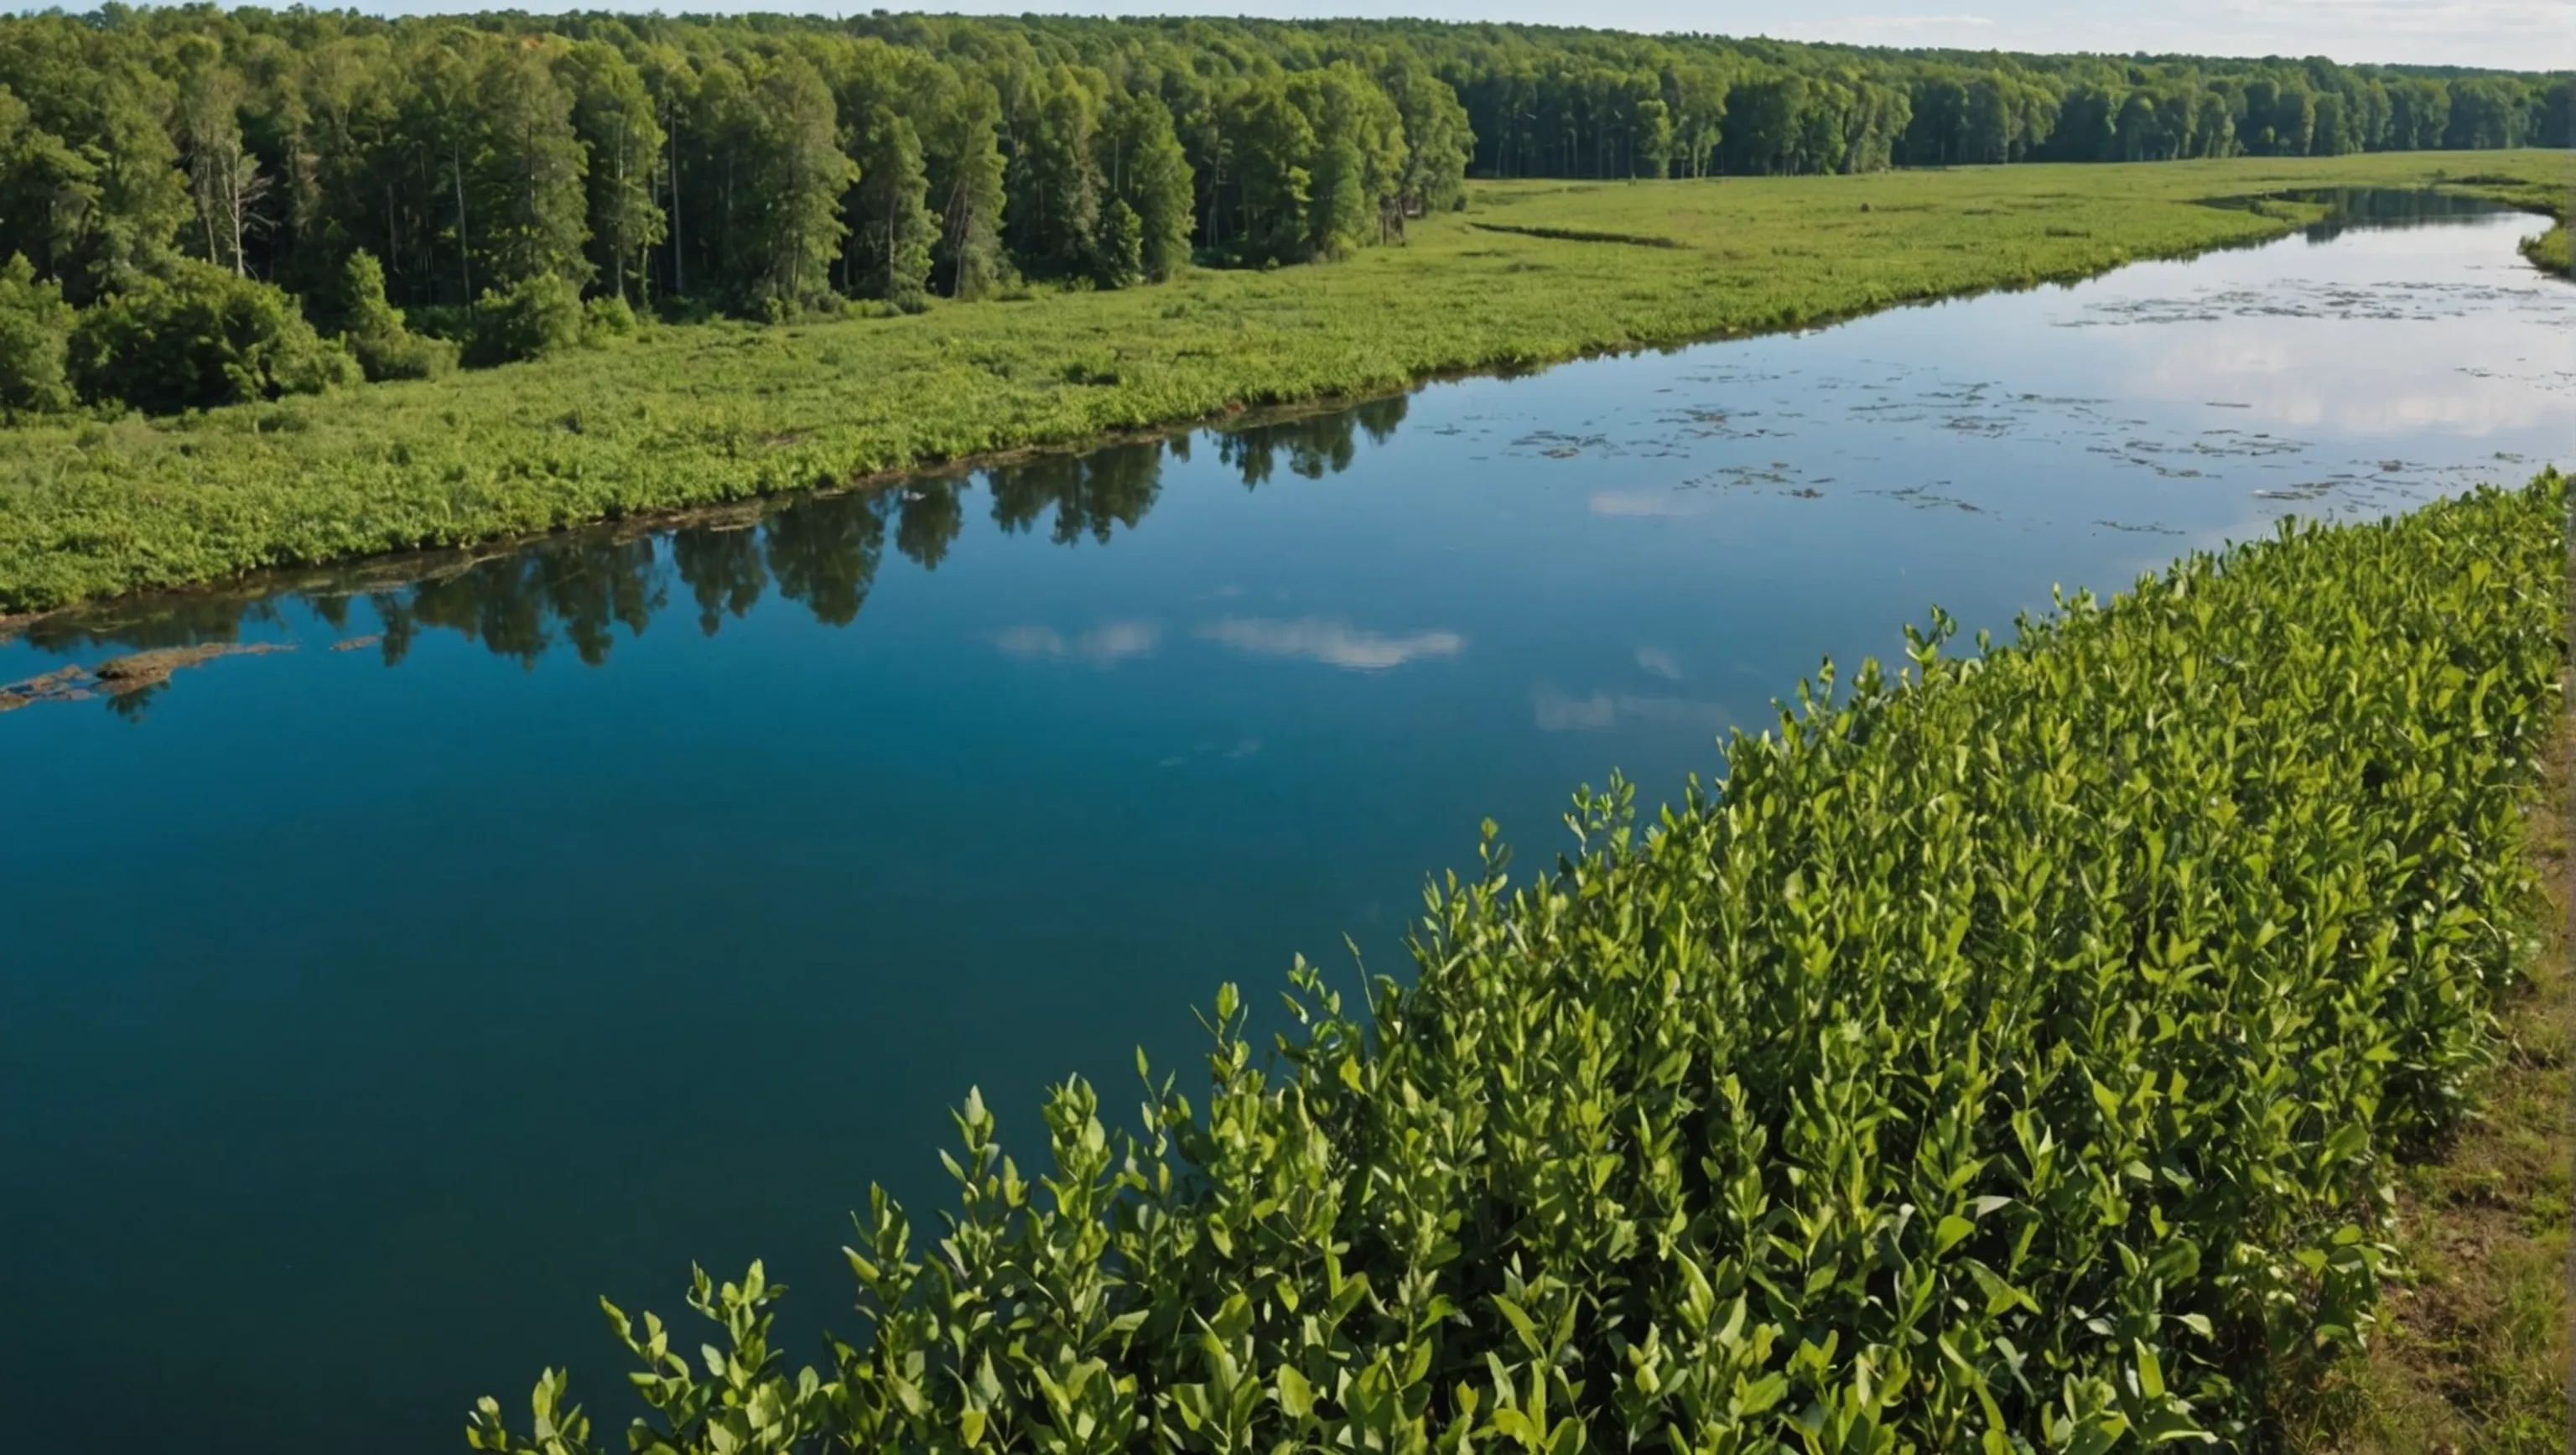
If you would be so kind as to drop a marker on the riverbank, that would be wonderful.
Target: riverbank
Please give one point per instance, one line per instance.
(687, 416)
(2552, 250)
(2472, 1353)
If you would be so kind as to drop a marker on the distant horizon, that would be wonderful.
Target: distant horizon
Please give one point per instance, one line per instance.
(2500, 35)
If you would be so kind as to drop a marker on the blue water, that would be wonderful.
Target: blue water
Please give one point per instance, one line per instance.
(635, 898)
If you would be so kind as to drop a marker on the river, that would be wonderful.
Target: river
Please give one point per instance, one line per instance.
(525, 926)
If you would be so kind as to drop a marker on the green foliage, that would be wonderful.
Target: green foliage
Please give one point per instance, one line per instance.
(1356, 164)
(1149, 172)
(528, 215)
(968, 192)
(1438, 142)
(35, 333)
(537, 317)
(606, 320)
(789, 228)
(1118, 247)
(892, 235)
(1274, 148)
(376, 333)
(197, 337)
(1054, 183)
(688, 416)
(614, 117)
(2552, 251)
(2009, 1054)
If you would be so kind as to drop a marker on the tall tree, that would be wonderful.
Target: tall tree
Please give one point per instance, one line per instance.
(1149, 173)
(531, 173)
(224, 178)
(615, 116)
(890, 244)
(968, 190)
(1437, 138)
(1054, 178)
(794, 171)
(1273, 154)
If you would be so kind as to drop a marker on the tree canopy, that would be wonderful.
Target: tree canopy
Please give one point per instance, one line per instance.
(772, 164)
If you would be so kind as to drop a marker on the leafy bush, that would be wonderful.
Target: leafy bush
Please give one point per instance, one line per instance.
(536, 317)
(194, 337)
(35, 332)
(604, 320)
(376, 333)
(2009, 1059)
(404, 356)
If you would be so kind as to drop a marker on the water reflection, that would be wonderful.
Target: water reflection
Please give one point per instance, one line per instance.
(2364, 207)
(1088, 494)
(1313, 446)
(823, 552)
(521, 604)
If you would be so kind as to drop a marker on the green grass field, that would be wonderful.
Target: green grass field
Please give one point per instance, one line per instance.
(693, 415)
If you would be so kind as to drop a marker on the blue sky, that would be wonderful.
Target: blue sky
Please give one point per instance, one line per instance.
(2513, 34)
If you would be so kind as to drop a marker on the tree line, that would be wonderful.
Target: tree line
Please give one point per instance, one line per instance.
(192, 199)
(1559, 103)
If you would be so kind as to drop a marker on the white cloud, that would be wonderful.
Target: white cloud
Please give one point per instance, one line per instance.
(1556, 712)
(1105, 645)
(1646, 503)
(1659, 662)
(1335, 643)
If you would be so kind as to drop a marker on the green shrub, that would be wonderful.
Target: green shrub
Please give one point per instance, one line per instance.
(376, 333)
(404, 356)
(196, 336)
(606, 320)
(537, 317)
(2008, 1059)
(35, 332)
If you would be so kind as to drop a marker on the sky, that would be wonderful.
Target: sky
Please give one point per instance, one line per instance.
(2506, 34)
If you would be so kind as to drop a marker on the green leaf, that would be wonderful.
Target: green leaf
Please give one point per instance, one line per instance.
(1296, 1396)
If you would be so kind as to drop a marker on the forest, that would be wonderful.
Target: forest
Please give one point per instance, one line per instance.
(200, 207)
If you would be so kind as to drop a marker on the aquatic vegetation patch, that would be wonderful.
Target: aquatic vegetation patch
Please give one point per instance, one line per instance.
(125, 681)
(2016, 1051)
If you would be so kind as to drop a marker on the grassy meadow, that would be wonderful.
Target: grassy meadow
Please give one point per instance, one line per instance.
(1531, 272)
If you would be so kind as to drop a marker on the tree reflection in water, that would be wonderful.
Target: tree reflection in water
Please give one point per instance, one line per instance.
(1315, 446)
(821, 551)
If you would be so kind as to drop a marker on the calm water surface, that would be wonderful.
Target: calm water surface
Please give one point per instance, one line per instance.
(367, 1009)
